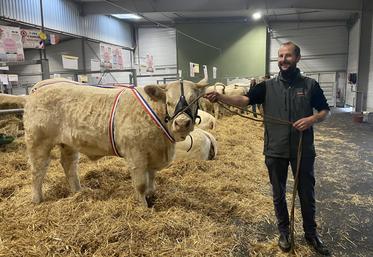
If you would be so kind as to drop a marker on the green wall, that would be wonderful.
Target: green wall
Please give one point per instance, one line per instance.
(243, 49)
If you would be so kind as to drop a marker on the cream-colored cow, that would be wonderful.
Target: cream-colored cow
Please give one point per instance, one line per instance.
(212, 108)
(76, 117)
(199, 145)
(207, 121)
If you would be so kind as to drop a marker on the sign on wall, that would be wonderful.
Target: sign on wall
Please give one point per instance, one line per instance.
(112, 57)
(70, 62)
(30, 38)
(11, 48)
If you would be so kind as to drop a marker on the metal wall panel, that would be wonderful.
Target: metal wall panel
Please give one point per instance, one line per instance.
(63, 15)
(161, 44)
(21, 10)
(324, 45)
(107, 29)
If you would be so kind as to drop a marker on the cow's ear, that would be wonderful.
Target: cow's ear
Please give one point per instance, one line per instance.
(156, 93)
(202, 83)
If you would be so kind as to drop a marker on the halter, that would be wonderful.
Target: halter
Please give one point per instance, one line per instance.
(182, 106)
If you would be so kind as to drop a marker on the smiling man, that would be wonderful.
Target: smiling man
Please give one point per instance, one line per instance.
(290, 97)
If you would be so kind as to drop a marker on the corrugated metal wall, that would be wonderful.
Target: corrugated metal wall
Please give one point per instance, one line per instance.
(353, 60)
(324, 49)
(161, 44)
(63, 15)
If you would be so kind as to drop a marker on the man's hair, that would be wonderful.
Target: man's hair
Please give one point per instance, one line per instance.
(296, 48)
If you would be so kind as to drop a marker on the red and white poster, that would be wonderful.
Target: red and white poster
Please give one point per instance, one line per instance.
(30, 38)
(11, 48)
(149, 63)
(112, 57)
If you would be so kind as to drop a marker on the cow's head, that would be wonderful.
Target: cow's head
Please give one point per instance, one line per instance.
(176, 97)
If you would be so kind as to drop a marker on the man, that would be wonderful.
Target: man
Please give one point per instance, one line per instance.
(291, 97)
(253, 84)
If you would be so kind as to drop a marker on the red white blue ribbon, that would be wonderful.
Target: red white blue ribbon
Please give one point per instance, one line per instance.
(147, 109)
(152, 114)
(111, 123)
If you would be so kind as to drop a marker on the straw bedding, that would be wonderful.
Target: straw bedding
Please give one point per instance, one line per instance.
(221, 207)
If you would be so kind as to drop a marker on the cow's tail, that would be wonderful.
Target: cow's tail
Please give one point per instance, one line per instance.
(12, 101)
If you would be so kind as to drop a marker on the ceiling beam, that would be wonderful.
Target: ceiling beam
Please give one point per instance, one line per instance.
(144, 6)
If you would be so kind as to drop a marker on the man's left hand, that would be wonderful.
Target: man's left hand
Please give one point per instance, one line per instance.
(304, 123)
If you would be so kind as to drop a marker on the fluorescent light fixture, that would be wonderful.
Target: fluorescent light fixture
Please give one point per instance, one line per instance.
(257, 16)
(127, 16)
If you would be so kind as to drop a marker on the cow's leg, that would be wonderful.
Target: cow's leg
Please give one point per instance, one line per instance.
(150, 192)
(69, 161)
(140, 183)
(39, 157)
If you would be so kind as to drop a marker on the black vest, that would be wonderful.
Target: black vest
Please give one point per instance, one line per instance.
(289, 102)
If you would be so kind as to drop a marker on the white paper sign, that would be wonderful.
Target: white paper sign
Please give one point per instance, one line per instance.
(70, 62)
(214, 71)
(13, 77)
(191, 69)
(30, 38)
(4, 79)
(11, 48)
(180, 73)
(95, 65)
(205, 71)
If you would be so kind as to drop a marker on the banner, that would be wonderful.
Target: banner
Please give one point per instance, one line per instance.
(112, 57)
(11, 48)
(30, 38)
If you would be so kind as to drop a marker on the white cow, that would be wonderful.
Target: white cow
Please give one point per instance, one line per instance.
(207, 121)
(207, 106)
(199, 145)
(75, 117)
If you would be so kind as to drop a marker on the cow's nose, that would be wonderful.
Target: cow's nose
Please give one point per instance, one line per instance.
(182, 123)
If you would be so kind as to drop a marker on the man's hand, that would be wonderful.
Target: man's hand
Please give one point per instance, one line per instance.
(213, 97)
(304, 123)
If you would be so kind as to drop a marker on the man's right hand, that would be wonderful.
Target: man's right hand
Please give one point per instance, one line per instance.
(213, 97)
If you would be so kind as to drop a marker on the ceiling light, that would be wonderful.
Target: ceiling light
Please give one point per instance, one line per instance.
(257, 16)
(128, 16)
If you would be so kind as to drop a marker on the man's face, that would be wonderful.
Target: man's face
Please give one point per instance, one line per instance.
(287, 60)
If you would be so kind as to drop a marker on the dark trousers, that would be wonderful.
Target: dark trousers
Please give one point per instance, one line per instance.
(278, 172)
(254, 110)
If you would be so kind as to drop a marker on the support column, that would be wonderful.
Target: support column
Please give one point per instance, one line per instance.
(364, 55)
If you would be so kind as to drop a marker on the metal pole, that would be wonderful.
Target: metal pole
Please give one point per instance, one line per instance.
(42, 26)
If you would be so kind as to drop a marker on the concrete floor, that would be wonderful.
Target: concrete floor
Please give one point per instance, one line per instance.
(344, 184)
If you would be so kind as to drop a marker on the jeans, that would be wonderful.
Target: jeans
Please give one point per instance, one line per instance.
(278, 171)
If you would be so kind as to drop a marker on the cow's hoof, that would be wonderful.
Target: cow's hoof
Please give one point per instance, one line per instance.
(150, 199)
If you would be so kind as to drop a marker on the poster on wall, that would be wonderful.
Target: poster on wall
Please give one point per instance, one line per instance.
(30, 38)
(149, 63)
(11, 48)
(70, 62)
(214, 71)
(112, 57)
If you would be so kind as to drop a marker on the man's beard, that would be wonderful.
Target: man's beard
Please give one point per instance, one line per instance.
(289, 71)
